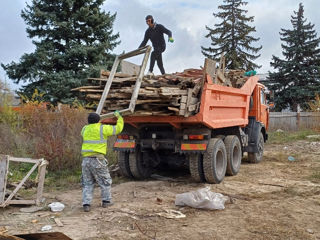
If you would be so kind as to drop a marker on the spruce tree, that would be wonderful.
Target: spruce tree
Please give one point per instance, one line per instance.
(232, 37)
(297, 78)
(73, 38)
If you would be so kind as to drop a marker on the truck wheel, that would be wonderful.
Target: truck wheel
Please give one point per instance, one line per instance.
(215, 161)
(139, 164)
(123, 163)
(257, 157)
(196, 166)
(234, 154)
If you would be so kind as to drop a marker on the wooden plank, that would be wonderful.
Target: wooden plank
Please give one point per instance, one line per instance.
(209, 68)
(85, 87)
(91, 90)
(118, 74)
(28, 160)
(220, 76)
(192, 107)
(174, 109)
(4, 164)
(41, 175)
(183, 99)
(186, 114)
(27, 202)
(58, 222)
(193, 100)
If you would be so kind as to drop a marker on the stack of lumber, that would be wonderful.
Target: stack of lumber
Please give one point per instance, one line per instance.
(163, 95)
(169, 94)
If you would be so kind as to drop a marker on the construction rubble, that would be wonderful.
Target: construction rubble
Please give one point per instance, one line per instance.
(163, 95)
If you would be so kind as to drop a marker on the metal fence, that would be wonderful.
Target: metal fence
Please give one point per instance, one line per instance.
(293, 121)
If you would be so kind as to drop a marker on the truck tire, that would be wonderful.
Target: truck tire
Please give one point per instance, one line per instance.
(139, 166)
(123, 163)
(234, 154)
(196, 166)
(215, 161)
(257, 157)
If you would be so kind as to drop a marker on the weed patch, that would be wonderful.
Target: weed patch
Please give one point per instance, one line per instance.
(285, 137)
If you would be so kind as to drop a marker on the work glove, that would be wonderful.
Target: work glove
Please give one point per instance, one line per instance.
(117, 114)
(250, 73)
(171, 39)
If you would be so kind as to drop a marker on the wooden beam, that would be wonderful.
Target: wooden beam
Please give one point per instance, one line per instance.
(22, 201)
(4, 164)
(186, 114)
(28, 160)
(41, 177)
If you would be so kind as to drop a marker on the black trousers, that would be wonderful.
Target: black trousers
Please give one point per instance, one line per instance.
(156, 55)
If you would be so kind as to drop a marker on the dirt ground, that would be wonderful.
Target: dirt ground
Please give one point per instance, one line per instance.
(275, 199)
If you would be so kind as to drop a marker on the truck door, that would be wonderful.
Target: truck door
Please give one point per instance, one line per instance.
(264, 109)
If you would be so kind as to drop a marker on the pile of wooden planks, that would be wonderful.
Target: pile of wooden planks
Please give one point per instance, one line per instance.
(170, 94)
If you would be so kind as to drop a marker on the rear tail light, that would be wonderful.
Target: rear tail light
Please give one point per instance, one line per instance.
(124, 136)
(196, 137)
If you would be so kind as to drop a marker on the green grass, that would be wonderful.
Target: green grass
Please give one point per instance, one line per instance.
(17, 171)
(285, 137)
(67, 179)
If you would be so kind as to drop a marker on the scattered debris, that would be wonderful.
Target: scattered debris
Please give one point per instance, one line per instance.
(3, 230)
(314, 136)
(171, 214)
(58, 222)
(46, 228)
(159, 201)
(291, 159)
(310, 231)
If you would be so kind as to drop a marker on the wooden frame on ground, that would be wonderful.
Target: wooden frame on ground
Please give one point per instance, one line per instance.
(4, 166)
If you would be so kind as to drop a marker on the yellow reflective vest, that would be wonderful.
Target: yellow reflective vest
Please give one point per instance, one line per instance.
(95, 137)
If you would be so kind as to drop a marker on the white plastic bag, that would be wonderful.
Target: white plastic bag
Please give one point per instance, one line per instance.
(46, 228)
(201, 198)
(56, 206)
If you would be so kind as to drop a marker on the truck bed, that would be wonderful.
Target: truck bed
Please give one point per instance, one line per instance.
(220, 106)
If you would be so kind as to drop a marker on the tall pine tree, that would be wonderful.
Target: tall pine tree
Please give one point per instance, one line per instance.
(232, 37)
(297, 79)
(73, 38)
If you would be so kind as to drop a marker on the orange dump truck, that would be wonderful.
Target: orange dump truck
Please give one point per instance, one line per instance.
(211, 144)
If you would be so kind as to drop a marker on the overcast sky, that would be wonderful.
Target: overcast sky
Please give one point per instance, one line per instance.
(185, 18)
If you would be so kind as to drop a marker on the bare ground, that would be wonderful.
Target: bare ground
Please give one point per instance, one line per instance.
(275, 199)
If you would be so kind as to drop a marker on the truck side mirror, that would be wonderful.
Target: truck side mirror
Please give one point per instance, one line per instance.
(271, 105)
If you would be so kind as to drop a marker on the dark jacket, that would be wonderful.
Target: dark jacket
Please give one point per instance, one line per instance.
(155, 34)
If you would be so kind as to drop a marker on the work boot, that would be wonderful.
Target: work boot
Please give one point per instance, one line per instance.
(86, 208)
(106, 204)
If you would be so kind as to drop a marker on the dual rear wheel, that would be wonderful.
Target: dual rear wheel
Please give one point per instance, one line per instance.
(221, 158)
(134, 164)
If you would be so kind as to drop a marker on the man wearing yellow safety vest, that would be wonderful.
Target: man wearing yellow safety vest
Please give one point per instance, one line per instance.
(94, 163)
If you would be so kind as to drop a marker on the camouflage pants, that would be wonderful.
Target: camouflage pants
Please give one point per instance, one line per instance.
(95, 170)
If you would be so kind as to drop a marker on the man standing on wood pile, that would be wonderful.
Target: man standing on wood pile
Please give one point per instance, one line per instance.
(155, 34)
(94, 163)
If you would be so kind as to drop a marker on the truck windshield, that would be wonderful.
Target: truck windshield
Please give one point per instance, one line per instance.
(263, 97)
